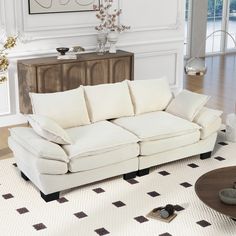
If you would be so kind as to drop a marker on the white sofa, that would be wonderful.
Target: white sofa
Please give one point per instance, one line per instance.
(114, 129)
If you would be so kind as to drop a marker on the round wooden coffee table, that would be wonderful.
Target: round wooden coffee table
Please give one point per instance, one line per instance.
(208, 186)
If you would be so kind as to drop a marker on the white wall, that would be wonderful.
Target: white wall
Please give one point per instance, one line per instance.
(156, 38)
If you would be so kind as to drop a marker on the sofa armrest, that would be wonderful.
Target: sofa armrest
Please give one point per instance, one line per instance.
(38, 146)
(206, 117)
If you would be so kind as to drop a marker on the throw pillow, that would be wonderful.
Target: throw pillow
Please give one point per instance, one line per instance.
(67, 108)
(187, 104)
(108, 101)
(207, 116)
(150, 95)
(48, 129)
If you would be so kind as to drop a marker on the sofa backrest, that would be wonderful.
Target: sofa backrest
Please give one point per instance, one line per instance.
(103, 102)
(108, 101)
(150, 95)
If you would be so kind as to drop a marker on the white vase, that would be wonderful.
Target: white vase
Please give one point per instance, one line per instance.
(101, 43)
(112, 38)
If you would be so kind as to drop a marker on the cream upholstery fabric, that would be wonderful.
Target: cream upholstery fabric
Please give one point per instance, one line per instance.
(211, 128)
(150, 95)
(156, 125)
(187, 104)
(40, 165)
(38, 146)
(123, 153)
(108, 101)
(48, 129)
(97, 138)
(67, 108)
(207, 116)
(53, 183)
(152, 147)
(203, 146)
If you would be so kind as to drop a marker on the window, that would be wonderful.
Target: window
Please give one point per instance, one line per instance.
(187, 23)
(231, 24)
(214, 22)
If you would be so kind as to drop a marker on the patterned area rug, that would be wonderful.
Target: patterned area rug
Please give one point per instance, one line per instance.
(115, 206)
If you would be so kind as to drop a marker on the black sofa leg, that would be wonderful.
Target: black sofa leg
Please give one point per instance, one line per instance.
(130, 175)
(24, 176)
(143, 172)
(50, 197)
(206, 155)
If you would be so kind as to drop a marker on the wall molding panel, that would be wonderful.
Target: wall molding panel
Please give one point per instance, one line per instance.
(176, 24)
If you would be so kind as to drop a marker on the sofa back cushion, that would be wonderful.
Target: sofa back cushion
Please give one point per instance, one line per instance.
(150, 95)
(108, 101)
(67, 108)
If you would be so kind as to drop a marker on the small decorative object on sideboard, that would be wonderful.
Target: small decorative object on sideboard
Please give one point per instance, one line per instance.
(62, 50)
(9, 43)
(109, 24)
(69, 53)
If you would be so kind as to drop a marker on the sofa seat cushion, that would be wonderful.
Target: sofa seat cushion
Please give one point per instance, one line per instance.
(97, 138)
(121, 154)
(157, 146)
(156, 125)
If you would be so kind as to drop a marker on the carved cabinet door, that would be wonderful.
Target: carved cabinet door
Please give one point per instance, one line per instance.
(120, 69)
(97, 72)
(49, 78)
(74, 75)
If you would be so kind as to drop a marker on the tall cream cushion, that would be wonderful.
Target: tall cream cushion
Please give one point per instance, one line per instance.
(150, 95)
(108, 101)
(67, 108)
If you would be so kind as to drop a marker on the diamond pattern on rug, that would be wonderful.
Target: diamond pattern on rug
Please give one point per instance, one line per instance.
(132, 181)
(164, 173)
(141, 219)
(99, 190)
(220, 158)
(153, 194)
(39, 226)
(22, 210)
(118, 204)
(192, 165)
(80, 215)
(178, 208)
(223, 143)
(203, 223)
(186, 184)
(7, 196)
(101, 231)
(62, 200)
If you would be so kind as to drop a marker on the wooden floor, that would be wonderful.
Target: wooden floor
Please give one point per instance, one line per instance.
(219, 83)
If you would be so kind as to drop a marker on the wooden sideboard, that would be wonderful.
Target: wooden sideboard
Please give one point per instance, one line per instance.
(48, 74)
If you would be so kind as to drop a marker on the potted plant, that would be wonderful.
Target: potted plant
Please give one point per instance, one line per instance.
(109, 26)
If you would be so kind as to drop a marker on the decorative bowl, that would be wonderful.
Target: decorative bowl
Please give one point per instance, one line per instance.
(228, 196)
(62, 50)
